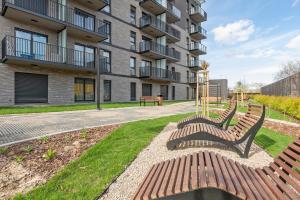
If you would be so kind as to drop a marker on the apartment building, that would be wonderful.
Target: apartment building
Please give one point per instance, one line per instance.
(52, 49)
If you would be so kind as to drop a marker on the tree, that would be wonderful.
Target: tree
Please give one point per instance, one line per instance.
(288, 69)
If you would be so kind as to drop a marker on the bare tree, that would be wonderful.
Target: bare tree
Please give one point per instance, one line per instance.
(288, 69)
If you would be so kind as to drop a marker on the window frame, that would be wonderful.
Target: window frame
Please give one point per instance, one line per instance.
(131, 69)
(132, 15)
(84, 89)
(110, 97)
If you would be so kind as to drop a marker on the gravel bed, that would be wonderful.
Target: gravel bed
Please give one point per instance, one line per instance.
(126, 184)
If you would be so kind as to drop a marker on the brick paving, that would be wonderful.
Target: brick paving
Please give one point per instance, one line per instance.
(17, 128)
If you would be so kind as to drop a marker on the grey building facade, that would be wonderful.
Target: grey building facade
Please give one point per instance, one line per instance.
(51, 50)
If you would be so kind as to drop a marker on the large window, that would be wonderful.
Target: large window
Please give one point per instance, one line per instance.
(84, 89)
(108, 31)
(133, 15)
(107, 8)
(84, 56)
(146, 90)
(187, 93)
(173, 93)
(84, 20)
(164, 91)
(107, 90)
(107, 61)
(132, 66)
(132, 41)
(30, 45)
(133, 91)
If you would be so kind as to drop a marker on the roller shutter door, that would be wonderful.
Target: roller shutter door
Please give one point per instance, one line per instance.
(31, 88)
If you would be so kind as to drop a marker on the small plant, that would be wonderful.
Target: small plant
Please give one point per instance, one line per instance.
(19, 159)
(49, 155)
(84, 134)
(28, 149)
(44, 139)
(3, 150)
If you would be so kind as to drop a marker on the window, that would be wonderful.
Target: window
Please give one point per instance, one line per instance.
(188, 43)
(107, 61)
(173, 93)
(187, 76)
(133, 15)
(164, 91)
(107, 90)
(107, 9)
(108, 31)
(132, 91)
(188, 25)
(187, 93)
(84, 20)
(30, 45)
(84, 56)
(132, 66)
(188, 59)
(145, 68)
(132, 41)
(146, 90)
(84, 89)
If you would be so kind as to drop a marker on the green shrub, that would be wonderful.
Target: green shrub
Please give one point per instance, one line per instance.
(288, 105)
(49, 155)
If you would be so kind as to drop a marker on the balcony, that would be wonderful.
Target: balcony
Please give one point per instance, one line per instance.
(158, 74)
(197, 48)
(192, 80)
(198, 33)
(156, 51)
(194, 64)
(154, 6)
(158, 28)
(94, 4)
(54, 16)
(173, 13)
(25, 52)
(197, 14)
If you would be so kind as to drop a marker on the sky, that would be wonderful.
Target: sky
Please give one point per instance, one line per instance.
(250, 40)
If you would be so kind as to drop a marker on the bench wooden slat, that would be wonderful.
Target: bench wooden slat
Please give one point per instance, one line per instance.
(170, 189)
(194, 173)
(159, 180)
(163, 189)
(210, 171)
(187, 174)
(201, 171)
(218, 172)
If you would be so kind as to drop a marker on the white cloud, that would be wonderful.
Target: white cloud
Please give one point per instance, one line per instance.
(295, 3)
(233, 33)
(294, 43)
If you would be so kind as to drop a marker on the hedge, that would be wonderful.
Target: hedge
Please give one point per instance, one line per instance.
(288, 105)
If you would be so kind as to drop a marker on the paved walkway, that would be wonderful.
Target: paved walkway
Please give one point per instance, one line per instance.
(17, 128)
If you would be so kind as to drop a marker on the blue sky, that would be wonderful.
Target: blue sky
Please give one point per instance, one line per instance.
(250, 40)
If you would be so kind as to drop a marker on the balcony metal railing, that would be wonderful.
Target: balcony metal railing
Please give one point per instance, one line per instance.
(198, 46)
(198, 9)
(105, 66)
(159, 73)
(198, 29)
(37, 51)
(175, 11)
(159, 49)
(195, 63)
(60, 12)
(160, 25)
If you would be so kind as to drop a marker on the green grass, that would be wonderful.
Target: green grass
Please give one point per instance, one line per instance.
(88, 176)
(271, 141)
(43, 109)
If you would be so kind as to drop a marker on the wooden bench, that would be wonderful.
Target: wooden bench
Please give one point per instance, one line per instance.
(243, 132)
(225, 117)
(147, 99)
(193, 176)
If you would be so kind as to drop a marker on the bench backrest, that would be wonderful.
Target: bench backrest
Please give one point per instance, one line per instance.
(148, 98)
(230, 110)
(250, 123)
(287, 168)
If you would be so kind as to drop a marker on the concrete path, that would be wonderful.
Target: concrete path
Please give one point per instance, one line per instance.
(17, 128)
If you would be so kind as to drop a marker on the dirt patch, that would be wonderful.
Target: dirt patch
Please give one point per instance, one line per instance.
(26, 165)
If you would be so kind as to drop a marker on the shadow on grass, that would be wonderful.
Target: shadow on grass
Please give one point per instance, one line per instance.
(264, 141)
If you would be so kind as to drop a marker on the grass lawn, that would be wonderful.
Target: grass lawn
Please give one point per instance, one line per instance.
(88, 176)
(42, 109)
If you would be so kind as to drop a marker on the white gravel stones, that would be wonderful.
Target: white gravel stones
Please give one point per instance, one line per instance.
(126, 185)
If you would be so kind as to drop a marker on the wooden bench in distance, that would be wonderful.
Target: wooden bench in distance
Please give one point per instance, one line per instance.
(243, 132)
(208, 176)
(148, 99)
(225, 117)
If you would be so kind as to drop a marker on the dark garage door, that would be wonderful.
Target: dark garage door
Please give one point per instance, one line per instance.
(31, 88)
